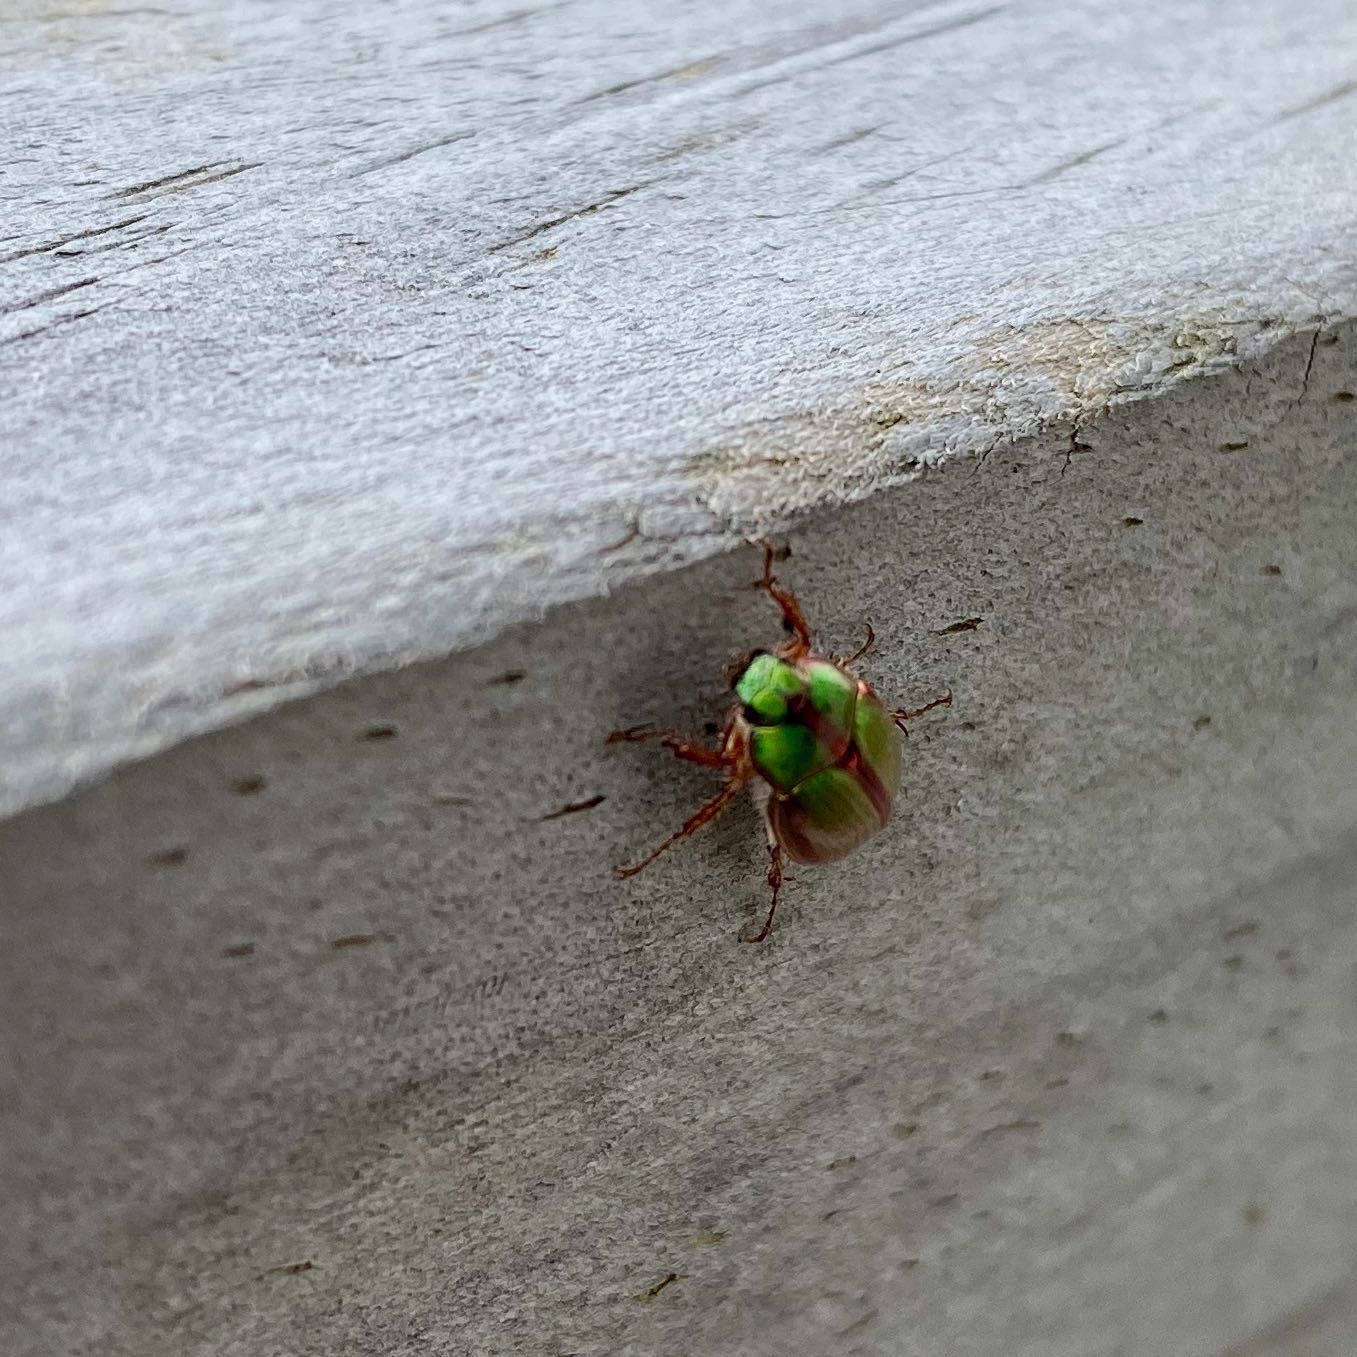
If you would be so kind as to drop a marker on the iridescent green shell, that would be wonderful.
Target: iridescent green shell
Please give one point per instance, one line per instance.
(829, 751)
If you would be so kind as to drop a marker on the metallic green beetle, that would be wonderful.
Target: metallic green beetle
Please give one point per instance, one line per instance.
(811, 737)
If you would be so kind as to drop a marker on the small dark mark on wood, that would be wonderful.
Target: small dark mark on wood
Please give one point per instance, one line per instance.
(510, 677)
(1343, 397)
(1201, 723)
(847, 140)
(379, 733)
(1059, 1082)
(1132, 522)
(966, 624)
(574, 807)
(902, 1130)
(241, 949)
(1272, 569)
(651, 1292)
(1233, 963)
(1235, 447)
(168, 857)
(948, 1199)
(250, 685)
(357, 940)
(250, 786)
(1020, 1124)
(858, 1324)
(1160, 1015)
(1254, 1214)
(842, 1163)
(1243, 930)
(513, 17)
(1068, 1038)
(287, 1270)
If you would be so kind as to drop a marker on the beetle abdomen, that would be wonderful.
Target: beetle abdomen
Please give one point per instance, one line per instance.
(831, 812)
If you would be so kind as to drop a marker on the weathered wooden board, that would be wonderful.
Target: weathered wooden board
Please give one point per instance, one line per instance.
(336, 334)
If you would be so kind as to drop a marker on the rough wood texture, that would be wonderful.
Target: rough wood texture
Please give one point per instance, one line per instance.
(329, 1034)
(337, 334)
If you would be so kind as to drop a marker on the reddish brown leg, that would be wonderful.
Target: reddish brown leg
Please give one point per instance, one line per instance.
(774, 885)
(671, 740)
(861, 650)
(691, 825)
(792, 616)
(901, 715)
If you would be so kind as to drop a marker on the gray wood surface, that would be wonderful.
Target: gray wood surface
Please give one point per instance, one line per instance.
(336, 334)
(314, 1044)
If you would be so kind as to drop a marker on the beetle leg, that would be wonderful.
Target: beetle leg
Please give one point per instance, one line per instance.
(691, 825)
(792, 617)
(691, 753)
(860, 651)
(775, 885)
(901, 715)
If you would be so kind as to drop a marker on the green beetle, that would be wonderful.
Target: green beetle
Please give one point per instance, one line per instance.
(811, 737)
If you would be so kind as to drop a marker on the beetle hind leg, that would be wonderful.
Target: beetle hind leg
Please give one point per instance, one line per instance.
(774, 885)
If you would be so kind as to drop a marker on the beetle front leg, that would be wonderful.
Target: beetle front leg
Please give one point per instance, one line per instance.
(792, 616)
(774, 885)
(901, 714)
(860, 651)
(676, 744)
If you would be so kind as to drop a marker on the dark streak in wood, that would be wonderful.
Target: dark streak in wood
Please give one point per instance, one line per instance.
(52, 325)
(876, 49)
(403, 156)
(182, 181)
(1073, 163)
(588, 210)
(1331, 96)
(50, 245)
(51, 295)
